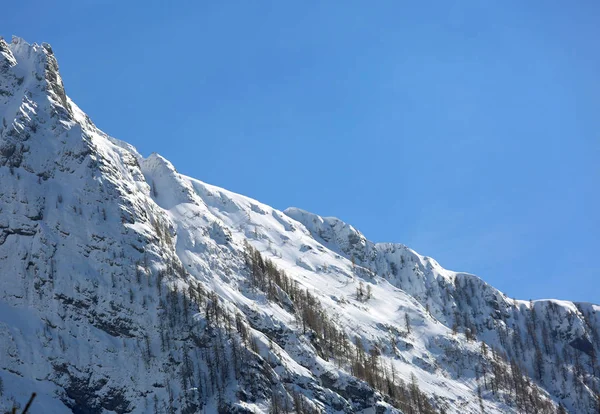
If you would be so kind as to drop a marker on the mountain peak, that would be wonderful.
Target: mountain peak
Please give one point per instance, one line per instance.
(35, 67)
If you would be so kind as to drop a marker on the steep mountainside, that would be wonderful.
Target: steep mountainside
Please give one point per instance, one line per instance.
(127, 287)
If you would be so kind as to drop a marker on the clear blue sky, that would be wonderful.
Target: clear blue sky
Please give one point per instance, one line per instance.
(468, 130)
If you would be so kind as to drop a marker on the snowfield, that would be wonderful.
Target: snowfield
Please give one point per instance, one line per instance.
(127, 287)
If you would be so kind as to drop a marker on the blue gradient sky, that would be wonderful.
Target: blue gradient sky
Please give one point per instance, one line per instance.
(468, 130)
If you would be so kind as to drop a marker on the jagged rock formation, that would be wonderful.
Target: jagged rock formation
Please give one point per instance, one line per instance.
(127, 287)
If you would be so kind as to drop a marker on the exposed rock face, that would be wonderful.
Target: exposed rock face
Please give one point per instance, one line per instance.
(127, 287)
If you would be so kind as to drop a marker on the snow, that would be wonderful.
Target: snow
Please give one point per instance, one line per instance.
(87, 223)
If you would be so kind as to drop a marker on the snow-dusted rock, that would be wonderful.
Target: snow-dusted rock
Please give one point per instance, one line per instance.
(128, 287)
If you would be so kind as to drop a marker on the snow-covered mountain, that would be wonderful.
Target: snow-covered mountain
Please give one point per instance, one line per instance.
(127, 287)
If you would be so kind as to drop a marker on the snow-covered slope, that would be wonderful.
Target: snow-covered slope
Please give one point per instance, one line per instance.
(128, 287)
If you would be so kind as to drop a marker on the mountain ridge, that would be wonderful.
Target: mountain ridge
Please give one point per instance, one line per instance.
(128, 287)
